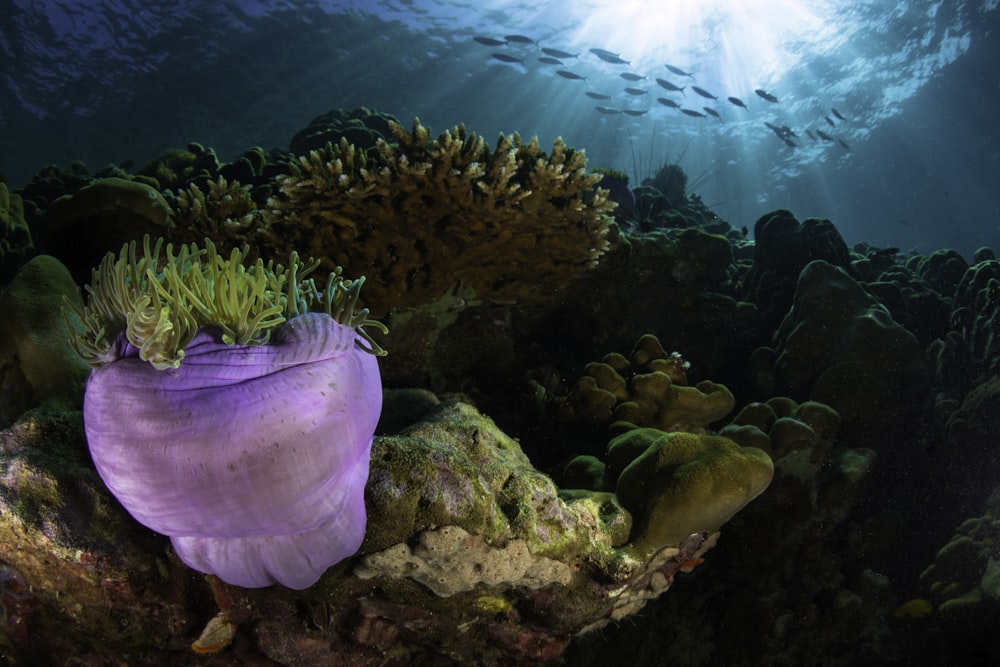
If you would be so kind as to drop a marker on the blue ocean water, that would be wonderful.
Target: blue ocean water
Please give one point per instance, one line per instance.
(914, 162)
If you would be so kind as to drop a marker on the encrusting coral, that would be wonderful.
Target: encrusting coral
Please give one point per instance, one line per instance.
(420, 217)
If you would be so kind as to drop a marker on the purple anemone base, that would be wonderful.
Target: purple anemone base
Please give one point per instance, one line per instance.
(253, 459)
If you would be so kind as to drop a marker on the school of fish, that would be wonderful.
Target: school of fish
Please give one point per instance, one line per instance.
(557, 57)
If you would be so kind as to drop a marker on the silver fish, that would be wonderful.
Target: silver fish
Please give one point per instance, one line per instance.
(557, 53)
(678, 71)
(669, 86)
(489, 41)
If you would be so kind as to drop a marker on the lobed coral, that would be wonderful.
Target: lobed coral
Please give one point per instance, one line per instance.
(419, 217)
(648, 388)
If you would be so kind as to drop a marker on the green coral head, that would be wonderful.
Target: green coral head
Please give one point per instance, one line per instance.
(160, 299)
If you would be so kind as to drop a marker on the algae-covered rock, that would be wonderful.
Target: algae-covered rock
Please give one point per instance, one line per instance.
(463, 533)
(684, 483)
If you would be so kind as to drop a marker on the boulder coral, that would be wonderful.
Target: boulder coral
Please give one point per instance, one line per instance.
(839, 346)
(81, 228)
(37, 364)
(418, 217)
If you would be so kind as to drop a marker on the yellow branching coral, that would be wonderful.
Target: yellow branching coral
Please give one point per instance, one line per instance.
(160, 299)
(420, 217)
(223, 211)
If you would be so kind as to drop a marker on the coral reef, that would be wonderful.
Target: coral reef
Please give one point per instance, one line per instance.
(508, 538)
(420, 217)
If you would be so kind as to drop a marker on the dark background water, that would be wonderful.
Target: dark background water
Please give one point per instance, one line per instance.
(107, 82)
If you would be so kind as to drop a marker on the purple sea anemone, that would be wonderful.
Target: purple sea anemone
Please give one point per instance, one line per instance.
(247, 445)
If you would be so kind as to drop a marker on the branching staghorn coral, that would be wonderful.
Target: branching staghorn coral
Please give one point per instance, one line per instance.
(160, 300)
(420, 217)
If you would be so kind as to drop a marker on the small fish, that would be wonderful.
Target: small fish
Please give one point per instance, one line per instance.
(609, 56)
(550, 61)
(811, 135)
(503, 57)
(712, 112)
(738, 102)
(634, 112)
(837, 113)
(669, 86)
(489, 41)
(783, 132)
(597, 96)
(704, 93)
(557, 53)
(519, 39)
(604, 52)
(692, 112)
(790, 143)
(629, 76)
(823, 135)
(678, 71)
(635, 91)
(832, 124)
(607, 110)
(844, 144)
(566, 74)
(766, 95)
(667, 102)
